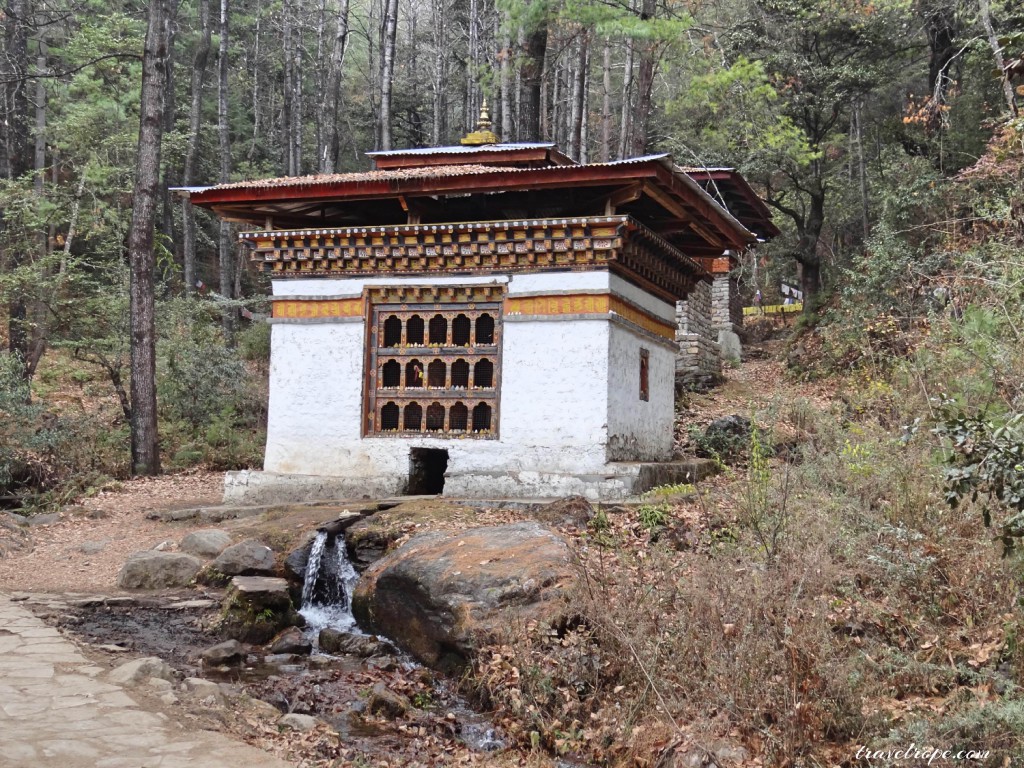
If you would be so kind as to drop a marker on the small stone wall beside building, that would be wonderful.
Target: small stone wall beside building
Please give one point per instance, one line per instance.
(726, 307)
(696, 334)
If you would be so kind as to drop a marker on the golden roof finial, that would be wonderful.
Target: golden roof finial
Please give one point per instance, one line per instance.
(483, 133)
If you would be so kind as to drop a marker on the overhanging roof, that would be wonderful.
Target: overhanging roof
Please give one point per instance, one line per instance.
(650, 188)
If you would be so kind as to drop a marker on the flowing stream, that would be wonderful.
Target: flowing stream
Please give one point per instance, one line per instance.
(327, 587)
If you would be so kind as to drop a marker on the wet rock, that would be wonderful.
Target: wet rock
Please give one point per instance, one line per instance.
(335, 642)
(290, 640)
(440, 593)
(297, 722)
(570, 511)
(247, 558)
(295, 563)
(156, 570)
(256, 608)
(137, 670)
(229, 652)
(206, 542)
(385, 702)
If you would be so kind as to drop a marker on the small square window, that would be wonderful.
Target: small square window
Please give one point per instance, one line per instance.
(645, 377)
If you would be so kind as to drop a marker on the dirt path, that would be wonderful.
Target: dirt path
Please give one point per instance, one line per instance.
(84, 550)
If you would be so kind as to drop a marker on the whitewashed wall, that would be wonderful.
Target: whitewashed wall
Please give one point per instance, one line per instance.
(569, 386)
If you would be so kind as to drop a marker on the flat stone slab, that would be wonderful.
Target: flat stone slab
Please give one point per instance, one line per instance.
(70, 719)
(259, 584)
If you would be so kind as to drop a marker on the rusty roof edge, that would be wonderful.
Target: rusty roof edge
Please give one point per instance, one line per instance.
(679, 173)
(619, 220)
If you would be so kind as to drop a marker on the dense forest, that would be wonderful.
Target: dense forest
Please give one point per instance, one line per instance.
(855, 121)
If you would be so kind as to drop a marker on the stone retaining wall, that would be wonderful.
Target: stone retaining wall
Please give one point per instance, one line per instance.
(696, 333)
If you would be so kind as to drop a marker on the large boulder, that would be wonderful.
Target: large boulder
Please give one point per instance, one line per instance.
(246, 558)
(151, 569)
(439, 594)
(256, 608)
(206, 542)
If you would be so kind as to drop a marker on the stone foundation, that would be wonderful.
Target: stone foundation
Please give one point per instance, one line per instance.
(726, 308)
(620, 480)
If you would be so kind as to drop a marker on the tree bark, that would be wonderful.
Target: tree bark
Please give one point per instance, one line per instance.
(439, 129)
(606, 102)
(389, 30)
(144, 436)
(199, 63)
(18, 154)
(332, 135)
(506, 90)
(626, 121)
(644, 87)
(997, 53)
(536, 43)
(226, 250)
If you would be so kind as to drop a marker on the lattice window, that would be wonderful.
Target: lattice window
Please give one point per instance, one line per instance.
(434, 367)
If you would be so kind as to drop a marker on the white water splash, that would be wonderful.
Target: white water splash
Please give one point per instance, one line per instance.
(328, 585)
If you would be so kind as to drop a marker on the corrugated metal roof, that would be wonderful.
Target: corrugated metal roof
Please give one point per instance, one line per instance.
(458, 149)
(425, 172)
(396, 174)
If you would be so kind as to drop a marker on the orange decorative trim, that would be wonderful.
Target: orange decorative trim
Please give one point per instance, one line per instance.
(568, 304)
(435, 294)
(587, 304)
(309, 309)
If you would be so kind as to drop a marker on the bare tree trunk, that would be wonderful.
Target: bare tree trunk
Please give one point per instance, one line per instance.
(472, 65)
(296, 85)
(320, 85)
(577, 99)
(256, 101)
(585, 107)
(288, 43)
(626, 122)
(506, 89)
(144, 437)
(16, 135)
(536, 43)
(644, 86)
(226, 250)
(997, 53)
(606, 102)
(332, 136)
(440, 104)
(188, 215)
(40, 129)
(170, 108)
(389, 30)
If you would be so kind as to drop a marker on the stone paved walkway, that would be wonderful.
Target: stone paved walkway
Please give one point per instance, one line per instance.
(56, 710)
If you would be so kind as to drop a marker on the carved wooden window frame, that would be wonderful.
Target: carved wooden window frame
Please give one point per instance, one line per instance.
(418, 407)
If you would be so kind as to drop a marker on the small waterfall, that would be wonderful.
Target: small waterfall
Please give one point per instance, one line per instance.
(327, 586)
(316, 553)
